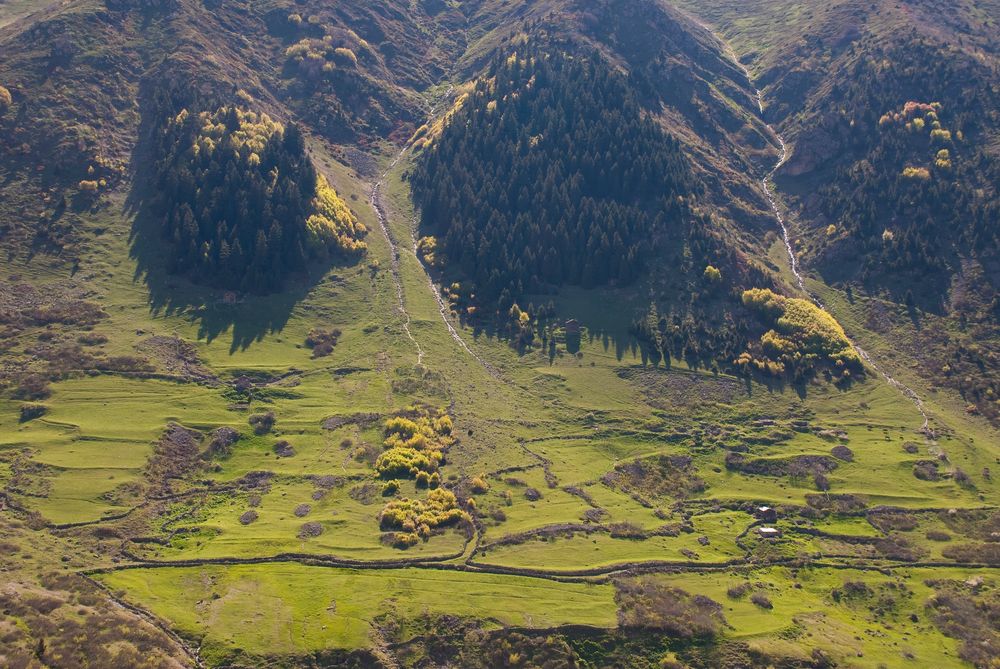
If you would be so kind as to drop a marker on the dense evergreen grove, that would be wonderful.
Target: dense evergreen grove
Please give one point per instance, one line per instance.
(919, 189)
(242, 204)
(916, 201)
(549, 174)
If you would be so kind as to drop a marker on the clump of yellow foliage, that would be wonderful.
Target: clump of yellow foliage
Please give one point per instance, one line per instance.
(803, 337)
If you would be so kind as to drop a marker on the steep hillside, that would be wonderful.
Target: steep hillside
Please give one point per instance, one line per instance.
(681, 73)
(89, 80)
(581, 178)
(890, 112)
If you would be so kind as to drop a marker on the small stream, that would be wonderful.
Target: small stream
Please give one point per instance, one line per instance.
(771, 192)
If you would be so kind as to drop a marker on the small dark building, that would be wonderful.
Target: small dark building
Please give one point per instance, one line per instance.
(766, 513)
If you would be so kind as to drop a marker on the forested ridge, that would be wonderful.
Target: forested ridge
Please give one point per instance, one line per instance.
(550, 174)
(242, 204)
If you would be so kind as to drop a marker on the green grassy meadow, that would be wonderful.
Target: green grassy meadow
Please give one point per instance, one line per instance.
(291, 608)
(543, 431)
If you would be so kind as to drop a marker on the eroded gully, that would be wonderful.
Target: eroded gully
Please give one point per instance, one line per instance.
(767, 182)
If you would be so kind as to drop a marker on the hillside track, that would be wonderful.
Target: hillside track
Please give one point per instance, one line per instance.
(375, 200)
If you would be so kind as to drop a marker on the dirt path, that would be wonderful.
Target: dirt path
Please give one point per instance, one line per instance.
(375, 200)
(443, 309)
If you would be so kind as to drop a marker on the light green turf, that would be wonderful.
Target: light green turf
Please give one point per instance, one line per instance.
(285, 608)
(576, 416)
(350, 527)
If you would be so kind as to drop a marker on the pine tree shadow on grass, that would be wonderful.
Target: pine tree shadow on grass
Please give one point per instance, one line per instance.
(248, 318)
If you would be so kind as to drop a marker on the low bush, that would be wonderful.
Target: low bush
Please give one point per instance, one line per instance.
(32, 411)
(309, 530)
(971, 617)
(647, 603)
(842, 452)
(420, 517)
(32, 387)
(739, 591)
(283, 449)
(894, 521)
(322, 342)
(262, 423)
(926, 470)
(661, 476)
(221, 444)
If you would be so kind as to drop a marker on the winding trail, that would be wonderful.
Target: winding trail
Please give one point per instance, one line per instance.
(443, 309)
(375, 200)
(767, 182)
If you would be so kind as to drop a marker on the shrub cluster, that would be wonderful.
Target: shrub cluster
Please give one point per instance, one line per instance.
(414, 446)
(414, 519)
(803, 338)
(648, 603)
(322, 342)
(262, 422)
(656, 477)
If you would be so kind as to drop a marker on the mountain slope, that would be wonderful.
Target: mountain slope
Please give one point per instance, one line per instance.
(668, 459)
(889, 110)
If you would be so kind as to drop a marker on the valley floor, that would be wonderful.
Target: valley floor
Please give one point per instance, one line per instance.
(589, 468)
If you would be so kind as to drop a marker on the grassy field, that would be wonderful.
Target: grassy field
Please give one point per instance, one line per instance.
(806, 616)
(555, 438)
(289, 608)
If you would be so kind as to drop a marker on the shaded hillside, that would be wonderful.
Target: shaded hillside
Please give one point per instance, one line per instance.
(549, 175)
(87, 80)
(831, 73)
(890, 111)
(682, 75)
